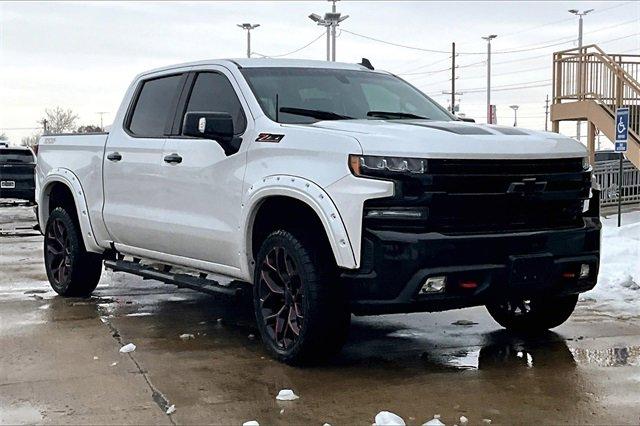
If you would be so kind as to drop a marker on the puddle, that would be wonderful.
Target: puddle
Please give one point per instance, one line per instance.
(20, 414)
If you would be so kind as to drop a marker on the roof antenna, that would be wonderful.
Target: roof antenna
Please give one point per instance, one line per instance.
(366, 63)
(277, 110)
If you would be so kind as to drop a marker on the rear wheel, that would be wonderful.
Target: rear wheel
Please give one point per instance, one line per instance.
(300, 306)
(72, 271)
(533, 314)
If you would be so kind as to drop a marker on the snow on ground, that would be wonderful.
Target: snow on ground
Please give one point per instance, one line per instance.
(618, 289)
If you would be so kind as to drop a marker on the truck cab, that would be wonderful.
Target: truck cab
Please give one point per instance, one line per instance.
(330, 189)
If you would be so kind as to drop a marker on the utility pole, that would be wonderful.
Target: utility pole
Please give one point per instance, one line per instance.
(45, 129)
(330, 21)
(515, 114)
(101, 113)
(248, 27)
(453, 77)
(546, 113)
(580, 85)
(489, 38)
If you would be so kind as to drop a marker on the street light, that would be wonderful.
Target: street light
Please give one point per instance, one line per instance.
(318, 19)
(489, 38)
(330, 21)
(515, 114)
(579, 15)
(248, 27)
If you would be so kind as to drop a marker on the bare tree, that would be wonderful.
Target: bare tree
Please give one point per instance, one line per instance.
(59, 120)
(89, 128)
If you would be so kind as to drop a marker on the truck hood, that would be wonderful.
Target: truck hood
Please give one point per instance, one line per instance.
(453, 139)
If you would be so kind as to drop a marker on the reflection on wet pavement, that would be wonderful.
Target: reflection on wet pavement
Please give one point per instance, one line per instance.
(60, 362)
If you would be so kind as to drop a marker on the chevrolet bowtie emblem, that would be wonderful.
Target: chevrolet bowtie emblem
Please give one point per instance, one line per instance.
(527, 186)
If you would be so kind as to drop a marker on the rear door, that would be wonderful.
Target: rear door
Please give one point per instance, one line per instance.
(204, 189)
(135, 212)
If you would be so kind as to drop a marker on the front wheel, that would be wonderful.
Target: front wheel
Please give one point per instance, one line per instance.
(533, 315)
(301, 308)
(72, 271)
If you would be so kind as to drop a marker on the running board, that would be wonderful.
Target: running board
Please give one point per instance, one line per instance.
(201, 283)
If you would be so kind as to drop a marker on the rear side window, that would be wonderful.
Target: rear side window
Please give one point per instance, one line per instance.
(15, 156)
(153, 106)
(212, 92)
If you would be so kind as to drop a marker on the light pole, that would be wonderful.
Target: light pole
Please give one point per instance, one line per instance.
(248, 27)
(101, 113)
(515, 114)
(330, 21)
(489, 38)
(579, 15)
(323, 23)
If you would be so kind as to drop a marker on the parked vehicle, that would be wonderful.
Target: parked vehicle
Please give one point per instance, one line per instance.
(17, 178)
(331, 188)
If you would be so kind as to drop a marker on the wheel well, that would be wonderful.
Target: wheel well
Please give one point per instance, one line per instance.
(281, 212)
(60, 196)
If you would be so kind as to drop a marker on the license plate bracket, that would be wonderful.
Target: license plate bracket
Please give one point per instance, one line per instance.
(530, 270)
(8, 184)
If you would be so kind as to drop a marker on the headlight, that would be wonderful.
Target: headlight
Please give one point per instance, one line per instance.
(369, 165)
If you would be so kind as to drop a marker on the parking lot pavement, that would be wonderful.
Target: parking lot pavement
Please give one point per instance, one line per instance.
(59, 361)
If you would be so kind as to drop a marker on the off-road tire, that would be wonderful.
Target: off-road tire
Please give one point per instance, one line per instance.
(315, 293)
(541, 314)
(72, 271)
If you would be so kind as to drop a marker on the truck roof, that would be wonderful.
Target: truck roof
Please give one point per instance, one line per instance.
(268, 63)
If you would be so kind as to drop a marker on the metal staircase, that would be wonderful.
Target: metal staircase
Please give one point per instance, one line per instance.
(589, 85)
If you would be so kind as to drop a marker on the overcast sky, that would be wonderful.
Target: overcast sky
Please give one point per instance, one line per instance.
(83, 55)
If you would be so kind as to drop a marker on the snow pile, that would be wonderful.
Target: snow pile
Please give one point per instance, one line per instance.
(286, 395)
(618, 288)
(387, 418)
(129, 347)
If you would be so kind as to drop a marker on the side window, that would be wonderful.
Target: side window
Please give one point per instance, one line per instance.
(212, 92)
(154, 103)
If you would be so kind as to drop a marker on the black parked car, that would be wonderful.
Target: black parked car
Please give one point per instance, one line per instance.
(17, 168)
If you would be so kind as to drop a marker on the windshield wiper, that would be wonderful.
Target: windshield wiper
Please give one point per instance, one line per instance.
(392, 115)
(315, 113)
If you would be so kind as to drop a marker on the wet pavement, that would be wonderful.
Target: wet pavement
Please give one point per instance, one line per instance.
(59, 359)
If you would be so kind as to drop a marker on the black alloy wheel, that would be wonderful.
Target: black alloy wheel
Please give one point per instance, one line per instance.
(71, 269)
(281, 297)
(58, 252)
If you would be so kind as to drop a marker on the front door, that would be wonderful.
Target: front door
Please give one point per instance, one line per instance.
(204, 185)
(135, 202)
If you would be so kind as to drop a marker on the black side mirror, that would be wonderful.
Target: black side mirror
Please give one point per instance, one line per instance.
(212, 125)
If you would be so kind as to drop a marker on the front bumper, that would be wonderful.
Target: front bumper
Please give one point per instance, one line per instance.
(395, 265)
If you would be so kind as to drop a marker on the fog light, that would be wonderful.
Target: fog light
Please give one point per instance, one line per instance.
(433, 285)
(584, 270)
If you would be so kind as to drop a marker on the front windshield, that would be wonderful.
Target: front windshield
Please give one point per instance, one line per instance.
(307, 95)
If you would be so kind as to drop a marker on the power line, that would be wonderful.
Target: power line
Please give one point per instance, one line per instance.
(506, 89)
(503, 36)
(499, 52)
(395, 44)
(293, 51)
(19, 128)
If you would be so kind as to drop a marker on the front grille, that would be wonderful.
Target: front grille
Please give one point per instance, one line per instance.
(470, 196)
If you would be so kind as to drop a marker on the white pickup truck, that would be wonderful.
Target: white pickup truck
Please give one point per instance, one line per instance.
(332, 189)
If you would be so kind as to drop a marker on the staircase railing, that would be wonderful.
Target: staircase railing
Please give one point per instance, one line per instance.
(587, 73)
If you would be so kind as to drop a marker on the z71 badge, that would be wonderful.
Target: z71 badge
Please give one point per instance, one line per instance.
(269, 137)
